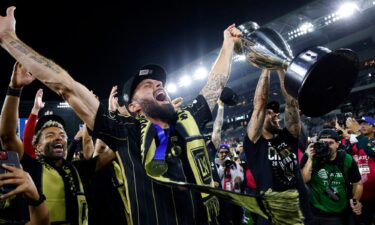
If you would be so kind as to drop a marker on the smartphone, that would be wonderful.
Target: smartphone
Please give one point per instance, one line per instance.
(9, 158)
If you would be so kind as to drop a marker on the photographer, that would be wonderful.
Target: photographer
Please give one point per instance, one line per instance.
(333, 178)
(230, 172)
(231, 177)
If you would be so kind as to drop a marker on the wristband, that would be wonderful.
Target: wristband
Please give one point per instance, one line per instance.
(16, 92)
(37, 202)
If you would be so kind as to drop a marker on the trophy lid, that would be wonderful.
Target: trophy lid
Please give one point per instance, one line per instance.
(321, 79)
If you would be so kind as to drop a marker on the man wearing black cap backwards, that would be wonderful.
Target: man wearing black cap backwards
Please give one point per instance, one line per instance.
(157, 142)
(334, 180)
(271, 151)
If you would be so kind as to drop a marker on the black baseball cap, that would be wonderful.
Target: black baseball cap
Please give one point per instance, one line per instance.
(274, 105)
(150, 71)
(45, 119)
(328, 133)
(229, 97)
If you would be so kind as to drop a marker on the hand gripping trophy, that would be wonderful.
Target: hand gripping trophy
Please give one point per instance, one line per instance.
(320, 79)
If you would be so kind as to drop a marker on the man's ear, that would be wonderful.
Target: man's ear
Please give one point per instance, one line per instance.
(134, 107)
(37, 147)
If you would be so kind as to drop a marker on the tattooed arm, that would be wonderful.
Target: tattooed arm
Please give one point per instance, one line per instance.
(255, 126)
(218, 124)
(52, 75)
(292, 118)
(219, 74)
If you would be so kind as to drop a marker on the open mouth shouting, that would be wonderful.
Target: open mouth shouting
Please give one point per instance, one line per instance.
(161, 96)
(58, 148)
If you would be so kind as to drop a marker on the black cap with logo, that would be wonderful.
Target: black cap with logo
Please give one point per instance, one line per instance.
(150, 71)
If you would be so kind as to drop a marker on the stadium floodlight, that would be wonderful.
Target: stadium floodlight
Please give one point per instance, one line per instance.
(171, 88)
(306, 27)
(200, 73)
(238, 58)
(62, 105)
(185, 81)
(347, 9)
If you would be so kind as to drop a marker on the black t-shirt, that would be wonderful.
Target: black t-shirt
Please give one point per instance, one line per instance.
(273, 162)
(153, 203)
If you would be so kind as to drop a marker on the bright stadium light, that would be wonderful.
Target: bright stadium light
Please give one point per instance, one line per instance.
(306, 27)
(185, 81)
(347, 9)
(238, 58)
(171, 88)
(63, 105)
(200, 73)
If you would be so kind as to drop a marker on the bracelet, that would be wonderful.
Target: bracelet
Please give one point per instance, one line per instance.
(37, 202)
(16, 92)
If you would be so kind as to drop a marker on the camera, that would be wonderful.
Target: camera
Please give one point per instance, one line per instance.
(341, 118)
(332, 194)
(321, 150)
(228, 162)
(9, 158)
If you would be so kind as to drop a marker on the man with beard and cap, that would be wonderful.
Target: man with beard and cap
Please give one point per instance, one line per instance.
(60, 181)
(156, 142)
(271, 152)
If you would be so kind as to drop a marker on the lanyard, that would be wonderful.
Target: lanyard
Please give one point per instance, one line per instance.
(163, 139)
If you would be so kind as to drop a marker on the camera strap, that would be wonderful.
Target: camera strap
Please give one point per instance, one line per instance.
(330, 177)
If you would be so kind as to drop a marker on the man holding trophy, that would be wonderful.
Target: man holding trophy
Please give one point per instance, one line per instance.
(271, 151)
(151, 148)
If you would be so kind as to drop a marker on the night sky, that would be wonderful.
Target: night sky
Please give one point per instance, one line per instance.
(102, 44)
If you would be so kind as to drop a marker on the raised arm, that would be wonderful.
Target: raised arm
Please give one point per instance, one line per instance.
(292, 118)
(29, 130)
(218, 124)
(9, 119)
(87, 143)
(113, 104)
(306, 170)
(255, 126)
(219, 74)
(52, 75)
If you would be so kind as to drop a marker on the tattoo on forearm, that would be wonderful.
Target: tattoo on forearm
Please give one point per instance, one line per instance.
(21, 47)
(218, 124)
(25, 50)
(254, 128)
(33, 57)
(213, 88)
(292, 118)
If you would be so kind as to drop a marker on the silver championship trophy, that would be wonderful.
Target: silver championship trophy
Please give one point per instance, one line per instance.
(320, 79)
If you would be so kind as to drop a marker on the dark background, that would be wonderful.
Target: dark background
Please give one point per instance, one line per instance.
(101, 44)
